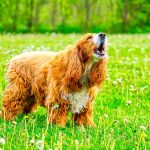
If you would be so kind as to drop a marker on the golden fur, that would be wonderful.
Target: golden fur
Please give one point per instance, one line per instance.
(52, 80)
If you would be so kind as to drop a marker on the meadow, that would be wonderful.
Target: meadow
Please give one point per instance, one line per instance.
(121, 109)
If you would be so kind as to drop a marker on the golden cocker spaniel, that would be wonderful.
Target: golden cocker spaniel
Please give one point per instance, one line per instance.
(61, 82)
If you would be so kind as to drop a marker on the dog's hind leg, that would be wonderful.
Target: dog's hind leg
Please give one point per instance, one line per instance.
(15, 96)
(31, 105)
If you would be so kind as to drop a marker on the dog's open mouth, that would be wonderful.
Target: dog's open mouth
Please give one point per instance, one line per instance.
(100, 51)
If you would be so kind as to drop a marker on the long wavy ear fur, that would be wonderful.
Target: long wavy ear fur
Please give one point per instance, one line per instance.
(74, 69)
(98, 73)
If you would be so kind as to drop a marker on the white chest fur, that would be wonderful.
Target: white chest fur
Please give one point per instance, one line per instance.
(79, 100)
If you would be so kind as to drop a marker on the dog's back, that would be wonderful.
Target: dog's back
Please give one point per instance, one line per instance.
(33, 58)
(27, 64)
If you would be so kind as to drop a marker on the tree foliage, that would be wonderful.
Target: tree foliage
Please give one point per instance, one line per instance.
(113, 16)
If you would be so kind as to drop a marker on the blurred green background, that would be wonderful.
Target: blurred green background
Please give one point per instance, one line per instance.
(78, 16)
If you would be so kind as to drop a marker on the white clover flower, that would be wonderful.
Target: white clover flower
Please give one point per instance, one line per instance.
(2, 141)
(14, 122)
(131, 88)
(114, 82)
(112, 130)
(126, 120)
(143, 48)
(106, 116)
(129, 102)
(32, 141)
(76, 142)
(143, 128)
(143, 88)
(40, 144)
(133, 62)
(81, 128)
(119, 80)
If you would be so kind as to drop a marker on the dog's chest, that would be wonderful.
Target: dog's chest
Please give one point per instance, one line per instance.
(79, 100)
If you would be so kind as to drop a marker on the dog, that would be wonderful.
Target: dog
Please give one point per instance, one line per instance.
(65, 81)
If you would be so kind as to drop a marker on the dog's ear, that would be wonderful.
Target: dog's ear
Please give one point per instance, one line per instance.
(74, 69)
(98, 72)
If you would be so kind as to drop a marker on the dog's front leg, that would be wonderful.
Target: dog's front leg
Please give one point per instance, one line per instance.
(62, 116)
(85, 117)
(58, 113)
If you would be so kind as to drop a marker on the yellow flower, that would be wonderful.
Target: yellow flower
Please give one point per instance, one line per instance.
(26, 117)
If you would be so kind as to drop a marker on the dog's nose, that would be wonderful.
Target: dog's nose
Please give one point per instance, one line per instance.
(101, 35)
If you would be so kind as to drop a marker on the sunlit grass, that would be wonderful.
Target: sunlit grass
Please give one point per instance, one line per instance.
(121, 109)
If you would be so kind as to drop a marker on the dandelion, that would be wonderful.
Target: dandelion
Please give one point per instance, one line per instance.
(126, 120)
(26, 117)
(32, 141)
(2, 141)
(114, 82)
(129, 102)
(112, 131)
(40, 144)
(119, 80)
(143, 128)
(134, 62)
(108, 77)
(131, 88)
(106, 116)
(81, 128)
(61, 135)
(136, 59)
(130, 49)
(56, 106)
(14, 122)
(144, 88)
(76, 142)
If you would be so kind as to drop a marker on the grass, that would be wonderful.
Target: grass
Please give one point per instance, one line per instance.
(121, 109)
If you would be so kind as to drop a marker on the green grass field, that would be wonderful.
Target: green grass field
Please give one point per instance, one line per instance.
(121, 109)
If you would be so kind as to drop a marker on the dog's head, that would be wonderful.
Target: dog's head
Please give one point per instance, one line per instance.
(89, 47)
(93, 46)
